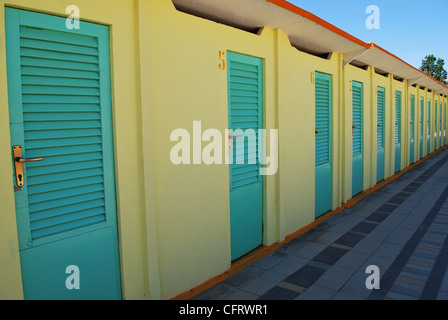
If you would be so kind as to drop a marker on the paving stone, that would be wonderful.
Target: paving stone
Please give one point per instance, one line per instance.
(241, 295)
(270, 261)
(349, 239)
(398, 296)
(377, 217)
(317, 293)
(279, 293)
(310, 250)
(364, 227)
(218, 292)
(305, 276)
(352, 259)
(356, 286)
(264, 282)
(389, 250)
(334, 278)
(329, 237)
(366, 246)
(329, 255)
(290, 265)
(399, 237)
(344, 296)
(243, 277)
(404, 291)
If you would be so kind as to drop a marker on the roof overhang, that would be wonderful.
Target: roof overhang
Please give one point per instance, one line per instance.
(308, 33)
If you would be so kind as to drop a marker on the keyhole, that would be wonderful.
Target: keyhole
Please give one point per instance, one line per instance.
(20, 177)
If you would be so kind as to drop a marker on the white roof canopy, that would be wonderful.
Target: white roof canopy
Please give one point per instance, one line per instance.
(306, 32)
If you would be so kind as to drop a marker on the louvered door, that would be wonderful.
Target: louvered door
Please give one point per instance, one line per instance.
(440, 141)
(397, 131)
(245, 98)
(436, 128)
(444, 125)
(422, 108)
(380, 134)
(357, 131)
(323, 186)
(60, 109)
(412, 130)
(428, 129)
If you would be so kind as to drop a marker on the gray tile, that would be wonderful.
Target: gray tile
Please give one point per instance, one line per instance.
(383, 263)
(241, 295)
(349, 239)
(352, 259)
(270, 261)
(305, 276)
(264, 282)
(243, 276)
(310, 250)
(334, 278)
(330, 255)
(329, 237)
(317, 293)
(290, 265)
(388, 250)
(345, 296)
(404, 291)
(279, 293)
(218, 292)
(398, 296)
(367, 246)
(356, 286)
(399, 237)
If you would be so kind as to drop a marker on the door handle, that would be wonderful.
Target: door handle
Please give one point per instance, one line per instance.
(18, 164)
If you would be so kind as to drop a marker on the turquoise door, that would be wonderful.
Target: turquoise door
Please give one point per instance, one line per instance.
(444, 125)
(323, 187)
(435, 126)
(440, 126)
(422, 107)
(397, 131)
(60, 109)
(380, 134)
(412, 130)
(428, 129)
(357, 131)
(245, 96)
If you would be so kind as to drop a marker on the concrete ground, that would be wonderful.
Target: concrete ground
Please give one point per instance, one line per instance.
(402, 229)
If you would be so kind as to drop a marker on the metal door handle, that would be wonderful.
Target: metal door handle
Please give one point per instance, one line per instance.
(18, 164)
(316, 132)
(22, 160)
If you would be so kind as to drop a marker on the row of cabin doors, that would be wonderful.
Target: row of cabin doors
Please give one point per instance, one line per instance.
(323, 125)
(60, 110)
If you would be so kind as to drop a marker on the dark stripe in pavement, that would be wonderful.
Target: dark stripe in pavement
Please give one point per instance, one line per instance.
(435, 279)
(306, 276)
(399, 263)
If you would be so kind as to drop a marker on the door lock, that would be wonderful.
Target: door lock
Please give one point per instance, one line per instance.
(18, 164)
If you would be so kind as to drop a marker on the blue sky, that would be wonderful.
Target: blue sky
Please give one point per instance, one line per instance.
(410, 29)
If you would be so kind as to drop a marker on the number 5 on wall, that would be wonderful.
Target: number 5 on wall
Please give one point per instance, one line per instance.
(222, 61)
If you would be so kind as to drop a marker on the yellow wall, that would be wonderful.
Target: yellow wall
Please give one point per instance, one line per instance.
(174, 220)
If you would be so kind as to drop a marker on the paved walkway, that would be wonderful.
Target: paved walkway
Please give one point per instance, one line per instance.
(402, 228)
